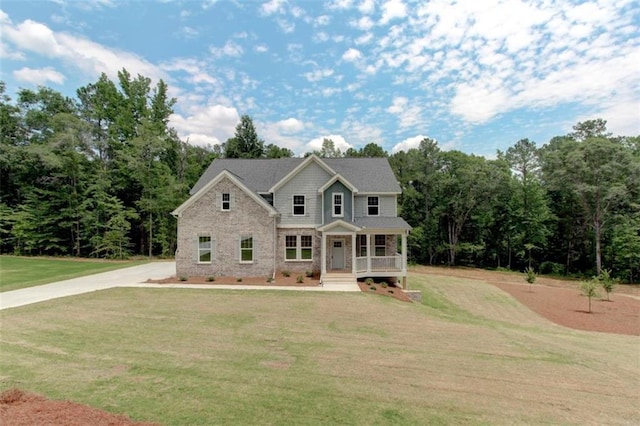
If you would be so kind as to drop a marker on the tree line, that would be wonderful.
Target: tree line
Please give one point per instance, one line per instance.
(98, 175)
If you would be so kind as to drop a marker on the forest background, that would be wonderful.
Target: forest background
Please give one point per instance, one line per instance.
(97, 176)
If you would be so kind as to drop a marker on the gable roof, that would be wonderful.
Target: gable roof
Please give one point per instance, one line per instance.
(236, 181)
(312, 158)
(369, 175)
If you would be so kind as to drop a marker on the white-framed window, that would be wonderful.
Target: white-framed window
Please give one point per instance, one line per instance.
(226, 202)
(298, 248)
(361, 245)
(246, 249)
(380, 243)
(373, 206)
(338, 198)
(204, 249)
(298, 205)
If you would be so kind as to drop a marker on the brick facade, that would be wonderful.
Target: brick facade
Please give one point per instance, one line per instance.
(298, 266)
(246, 218)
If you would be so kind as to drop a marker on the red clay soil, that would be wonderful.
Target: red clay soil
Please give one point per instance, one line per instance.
(18, 408)
(561, 301)
(390, 291)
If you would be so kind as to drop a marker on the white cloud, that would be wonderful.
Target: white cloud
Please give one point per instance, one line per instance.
(318, 74)
(204, 124)
(322, 20)
(290, 125)
(351, 55)
(407, 144)
(38, 76)
(286, 26)
(364, 23)
(338, 142)
(409, 114)
(367, 6)
(393, 9)
(261, 48)
(230, 48)
(340, 4)
(273, 6)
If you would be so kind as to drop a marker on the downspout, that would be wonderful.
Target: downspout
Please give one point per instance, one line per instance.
(275, 248)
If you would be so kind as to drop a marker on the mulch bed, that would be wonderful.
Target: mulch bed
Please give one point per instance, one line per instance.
(391, 291)
(18, 408)
(569, 308)
(281, 280)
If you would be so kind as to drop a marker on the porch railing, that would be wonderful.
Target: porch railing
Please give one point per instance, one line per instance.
(379, 263)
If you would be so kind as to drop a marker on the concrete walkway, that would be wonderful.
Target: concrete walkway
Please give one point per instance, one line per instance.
(134, 276)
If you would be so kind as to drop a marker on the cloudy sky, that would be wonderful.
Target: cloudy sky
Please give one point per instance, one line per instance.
(475, 75)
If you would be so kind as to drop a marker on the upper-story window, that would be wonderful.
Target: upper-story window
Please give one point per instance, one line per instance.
(298, 205)
(337, 205)
(226, 201)
(373, 206)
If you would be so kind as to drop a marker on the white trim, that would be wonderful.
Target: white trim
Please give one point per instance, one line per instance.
(200, 262)
(298, 248)
(379, 193)
(253, 248)
(301, 166)
(367, 205)
(339, 222)
(222, 201)
(293, 205)
(333, 204)
(334, 179)
(224, 174)
(294, 226)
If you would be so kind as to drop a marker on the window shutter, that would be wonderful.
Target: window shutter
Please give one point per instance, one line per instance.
(232, 200)
(306, 205)
(196, 250)
(214, 247)
(365, 204)
(218, 201)
(236, 250)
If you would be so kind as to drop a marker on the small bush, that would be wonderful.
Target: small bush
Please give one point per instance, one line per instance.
(391, 291)
(530, 276)
(286, 273)
(383, 284)
(239, 280)
(372, 288)
(211, 279)
(183, 278)
(368, 281)
(607, 282)
(269, 279)
(553, 268)
(590, 289)
(309, 274)
(300, 279)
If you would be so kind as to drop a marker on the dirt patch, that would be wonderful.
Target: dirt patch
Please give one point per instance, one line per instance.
(561, 301)
(280, 280)
(18, 408)
(391, 291)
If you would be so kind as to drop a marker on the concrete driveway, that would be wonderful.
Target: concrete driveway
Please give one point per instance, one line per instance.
(119, 278)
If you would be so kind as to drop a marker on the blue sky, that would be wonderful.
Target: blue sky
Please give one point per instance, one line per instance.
(474, 75)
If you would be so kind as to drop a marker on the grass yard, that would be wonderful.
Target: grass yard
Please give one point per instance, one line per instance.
(470, 354)
(19, 272)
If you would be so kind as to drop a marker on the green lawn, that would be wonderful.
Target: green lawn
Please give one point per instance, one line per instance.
(468, 355)
(20, 272)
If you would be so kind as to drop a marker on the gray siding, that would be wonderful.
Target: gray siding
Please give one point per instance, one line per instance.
(387, 206)
(306, 183)
(346, 203)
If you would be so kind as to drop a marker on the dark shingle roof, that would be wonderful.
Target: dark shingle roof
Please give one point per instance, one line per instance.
(381, 223)
(259, 175)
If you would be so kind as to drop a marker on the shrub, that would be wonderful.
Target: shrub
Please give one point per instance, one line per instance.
(183, 278)
(530, 276)
(300, 279)
(286, 273)
(211, 279)
(239, 279)
(269, 279)
(372, 288)
(309, 274)
(383, 284)
(590, 289)
(368, 281)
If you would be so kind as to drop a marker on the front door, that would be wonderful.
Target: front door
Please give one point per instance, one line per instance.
(337, 254)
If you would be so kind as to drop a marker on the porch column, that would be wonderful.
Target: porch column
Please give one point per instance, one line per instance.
(323, 250)
(404, 259)
(353, 253)
(368, 252)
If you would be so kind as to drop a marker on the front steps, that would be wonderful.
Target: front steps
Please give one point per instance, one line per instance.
(339, 278)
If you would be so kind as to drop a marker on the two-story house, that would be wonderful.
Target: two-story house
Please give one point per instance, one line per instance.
(334, 216)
